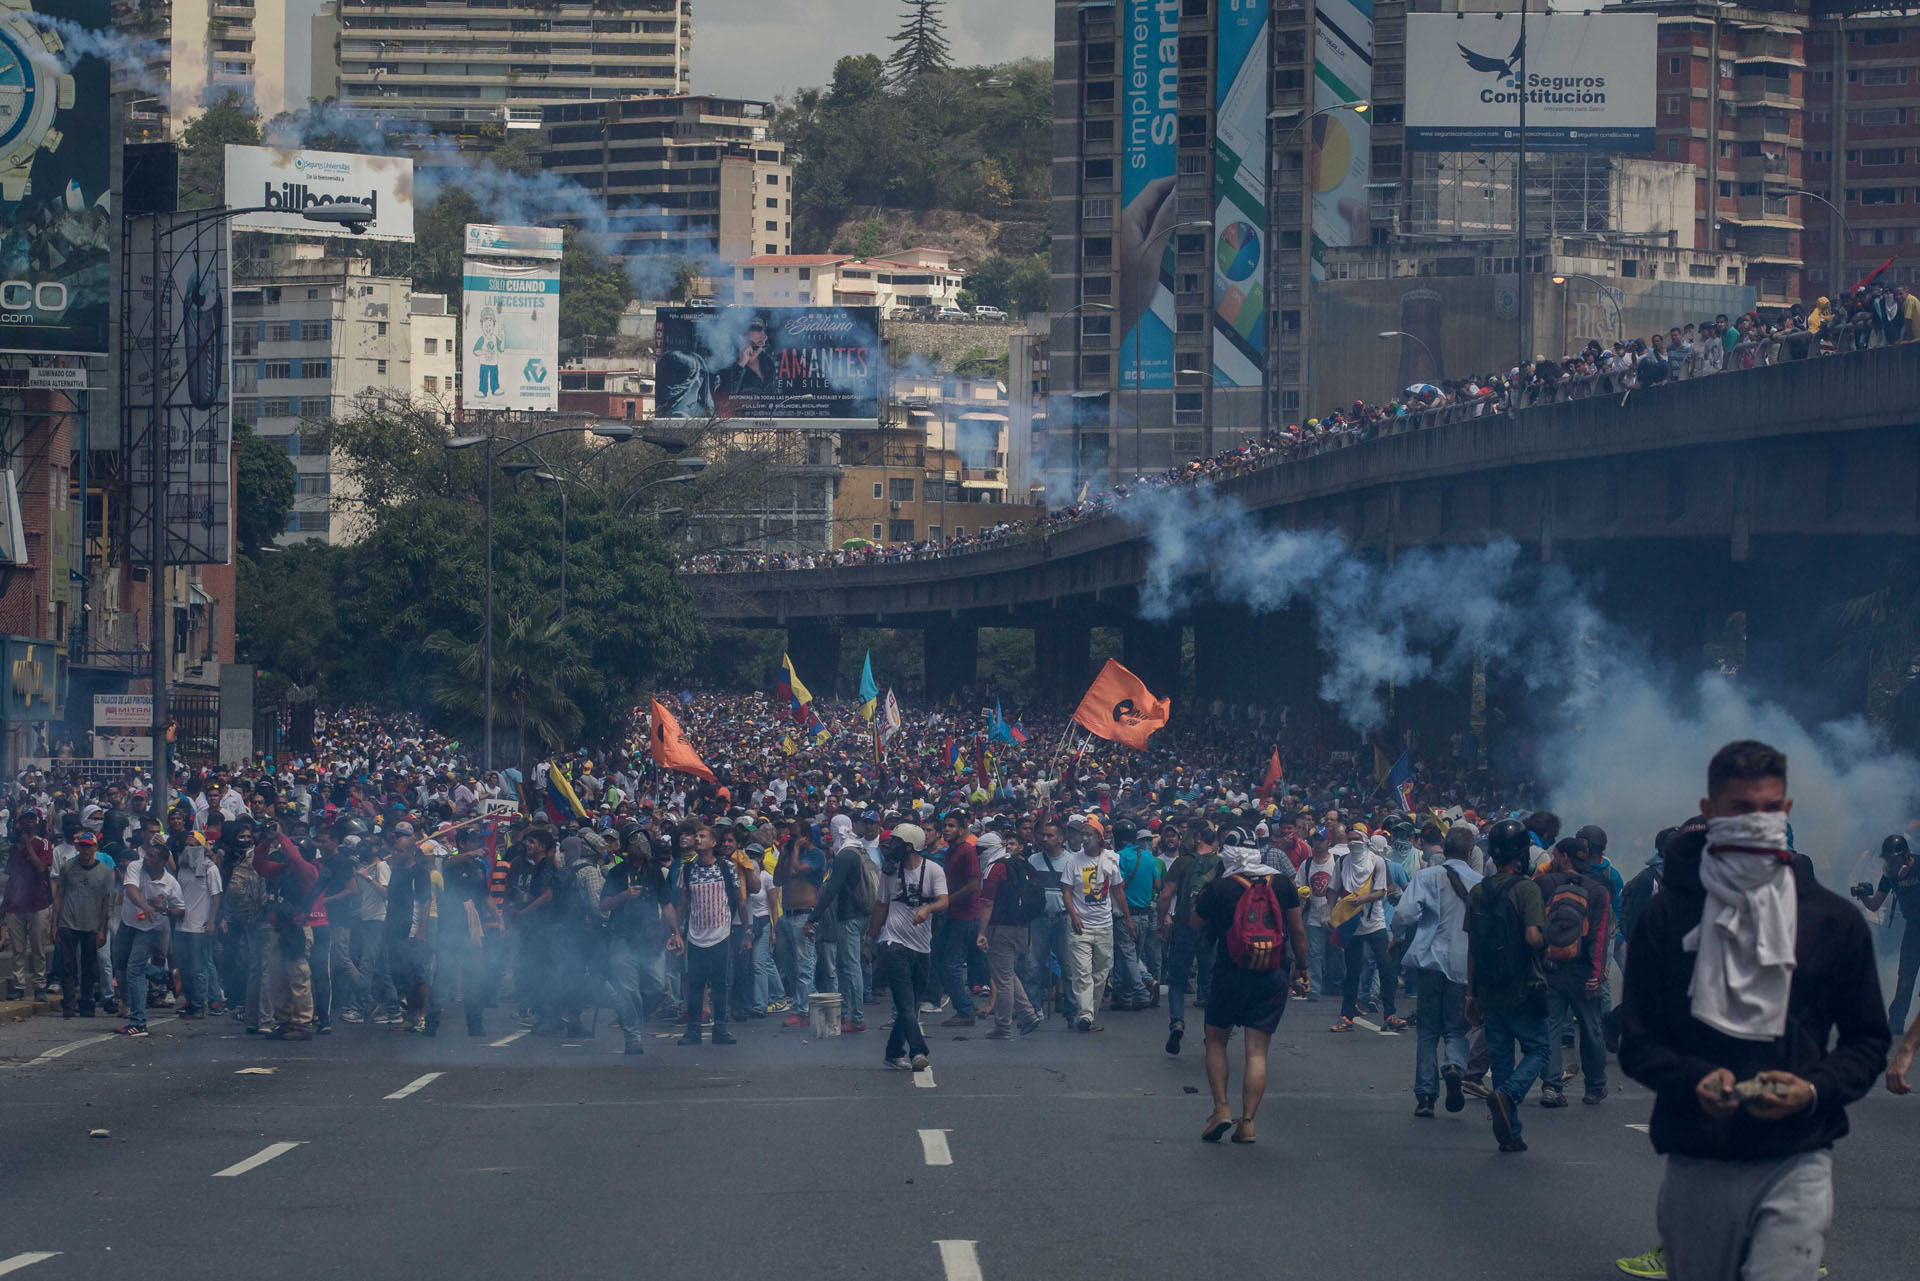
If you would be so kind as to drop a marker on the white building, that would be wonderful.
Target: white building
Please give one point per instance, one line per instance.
(199, 50)
(917, 279)
(315, 334)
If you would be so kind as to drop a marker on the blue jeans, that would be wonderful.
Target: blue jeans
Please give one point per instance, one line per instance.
(144, 951)
(766, 975)
(1130, 977)
(852, 977)
(193, 954)
(1326, 960)
(1568, 1007)
(635, 968)
(1184, 947)
(904, 972)
(1440, 1015)
(1524, 1025)
(1047, 949)
(956, 945)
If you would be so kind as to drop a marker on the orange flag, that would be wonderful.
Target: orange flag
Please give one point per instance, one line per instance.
(671, 749)
(1272, 780)
(1118, 707)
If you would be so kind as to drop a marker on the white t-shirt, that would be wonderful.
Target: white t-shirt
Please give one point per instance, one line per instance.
(372, 881)
(1362, 862)
(198, 886)
(156, 890)
(923, 884)
(1090, 879)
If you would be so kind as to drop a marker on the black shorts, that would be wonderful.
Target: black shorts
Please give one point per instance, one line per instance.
(1247, 998)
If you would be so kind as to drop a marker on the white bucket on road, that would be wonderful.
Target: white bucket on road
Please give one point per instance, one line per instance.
(824, 1010)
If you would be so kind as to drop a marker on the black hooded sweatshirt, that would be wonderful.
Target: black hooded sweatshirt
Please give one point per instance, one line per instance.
(1836, 989)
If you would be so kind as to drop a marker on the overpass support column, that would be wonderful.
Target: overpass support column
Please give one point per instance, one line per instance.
(1152, 652)
(1060, 648)
(815, 651)
(952, 657)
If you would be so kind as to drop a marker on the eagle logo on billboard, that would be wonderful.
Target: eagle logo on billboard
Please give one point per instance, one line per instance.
(1494, 65)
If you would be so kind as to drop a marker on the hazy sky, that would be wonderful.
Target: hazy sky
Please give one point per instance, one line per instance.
(764, 48)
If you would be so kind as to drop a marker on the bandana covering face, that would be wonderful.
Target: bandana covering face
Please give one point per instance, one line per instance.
(1747, 930)
(1238, 860)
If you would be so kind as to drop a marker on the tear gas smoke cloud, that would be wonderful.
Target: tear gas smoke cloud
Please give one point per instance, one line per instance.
(1623, 741)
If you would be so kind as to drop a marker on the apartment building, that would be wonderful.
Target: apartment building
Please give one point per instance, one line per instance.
(459, 65)
(198, 50)
(1862, 124)
(315, 335)
(920, 279)
(684, 178)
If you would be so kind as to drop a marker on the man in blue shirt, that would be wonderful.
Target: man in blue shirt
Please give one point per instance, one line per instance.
(1136, 959)
(1433, 915)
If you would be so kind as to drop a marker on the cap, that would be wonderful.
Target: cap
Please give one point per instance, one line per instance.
(86, 838)
(913, 834)
(403, 828)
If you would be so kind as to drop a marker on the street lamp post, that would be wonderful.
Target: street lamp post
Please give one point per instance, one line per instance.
(1600, 289)
(1359, 108)
(1197, 224)
(1836, 249)
(608, 431)
(1439, 370)
(355, 217)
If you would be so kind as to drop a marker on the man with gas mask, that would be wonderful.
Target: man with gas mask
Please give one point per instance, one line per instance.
(912, 889)
(1902, 880)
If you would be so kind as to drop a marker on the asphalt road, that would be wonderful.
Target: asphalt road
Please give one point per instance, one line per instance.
(1060, 1156)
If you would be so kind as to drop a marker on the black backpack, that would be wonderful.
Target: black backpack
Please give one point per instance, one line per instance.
(1496, 936)
(1021, 899)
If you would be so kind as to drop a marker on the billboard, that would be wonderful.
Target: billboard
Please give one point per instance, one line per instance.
(767, 362)
(56, 250)
(1240, 195)
(285, 180)
(1590, 82)
(1340, 144)
(510, 336)
(484, 240)
(174, 352)
(1147, 202)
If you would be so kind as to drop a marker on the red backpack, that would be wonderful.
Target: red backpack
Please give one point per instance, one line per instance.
(1254, 938)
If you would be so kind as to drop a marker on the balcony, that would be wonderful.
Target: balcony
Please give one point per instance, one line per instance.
(1768, 46)
(1761, 168)
(1765, 128)
(1771, 209)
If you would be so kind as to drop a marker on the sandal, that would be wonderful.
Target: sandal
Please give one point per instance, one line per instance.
(1344, 1025)
(1243, 1131)
(1217, 1125)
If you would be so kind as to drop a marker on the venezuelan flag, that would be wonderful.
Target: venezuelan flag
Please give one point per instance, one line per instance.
(1345, 917)
(796, 695)
(562, 802)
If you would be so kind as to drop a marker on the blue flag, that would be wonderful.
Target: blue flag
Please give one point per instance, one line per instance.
(1400, 781)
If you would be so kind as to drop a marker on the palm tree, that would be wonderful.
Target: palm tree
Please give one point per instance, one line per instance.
(534, 668)
(1881, 631)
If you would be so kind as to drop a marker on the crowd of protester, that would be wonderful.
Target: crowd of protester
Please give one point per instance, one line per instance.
(959, 876)
(1875, 316)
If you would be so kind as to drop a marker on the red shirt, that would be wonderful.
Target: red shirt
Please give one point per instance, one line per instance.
(962, 864)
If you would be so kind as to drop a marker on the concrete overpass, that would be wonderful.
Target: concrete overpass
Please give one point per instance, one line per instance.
(1776, 491)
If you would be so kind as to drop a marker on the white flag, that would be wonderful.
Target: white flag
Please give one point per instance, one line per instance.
(889, 718)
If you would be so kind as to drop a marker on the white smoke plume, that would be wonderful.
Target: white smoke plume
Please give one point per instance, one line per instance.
(1623, 741)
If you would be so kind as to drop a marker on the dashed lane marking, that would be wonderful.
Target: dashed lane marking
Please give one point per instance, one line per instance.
(959, 1260)
(1373, 1027)
(933, 1146)
(26, 1260)
(1641, 1128)
(510, 1038)
(923, 1079)
(257, 1160)
(417, 1085)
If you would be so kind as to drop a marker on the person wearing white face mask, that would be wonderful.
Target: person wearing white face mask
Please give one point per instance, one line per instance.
(1753, 1012)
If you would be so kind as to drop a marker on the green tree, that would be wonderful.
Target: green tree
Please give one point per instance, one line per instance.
(534, 668)
(868, 244)
(921, 44)
(284, 619)
(203, 149)
(265, 480)
(594, 290)
(1879, 639)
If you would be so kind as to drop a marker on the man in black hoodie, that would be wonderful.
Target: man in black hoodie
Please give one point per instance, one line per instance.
(1730, 1026)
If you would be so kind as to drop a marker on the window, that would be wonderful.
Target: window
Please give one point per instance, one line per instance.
(432, 346)
(1096, 131)
(430, 384)
(1879, 155)
(1096, 368)
(313, 483)
(380, 329)
(899, 489)
(773, 225)
(1879, 76)
(1673, 146)
(276, 407)
(773, 180)
(1096, 287)
(933, 533)
(1673, 66)
(1879, 195)
(770, 249)
(806, 273)
(1726, 69)
(1673, 106)
(898, 531)
(1098, 169)
(322, 330)
(311, 522)
(1880, 35)
(876, 531)
(379, 366)
(1190, 322)
(276, 369)
(280, 331)
(746, 273)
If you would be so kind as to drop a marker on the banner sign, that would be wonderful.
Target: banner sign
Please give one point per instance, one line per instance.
(1590, 82)
(485, 240)
(1340, 143)
(56, 226)
(1240, 195)
(510, 336)
(123, 712)
(808, 363)
(285, 181)
(1151, 91)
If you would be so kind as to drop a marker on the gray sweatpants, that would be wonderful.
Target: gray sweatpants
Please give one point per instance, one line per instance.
(1746, 1220)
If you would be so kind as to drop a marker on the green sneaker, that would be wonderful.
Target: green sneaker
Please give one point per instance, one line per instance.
(1652, 1266)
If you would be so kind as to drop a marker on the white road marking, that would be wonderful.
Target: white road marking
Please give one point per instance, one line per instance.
(1373, 1027)
(924, 1078)
(510, 1038)
(415, 1086)
(26, 1260)
(1641, 1128)
(933, 1146)
(257, 1160)
(61, 1051)
(959, 1260)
